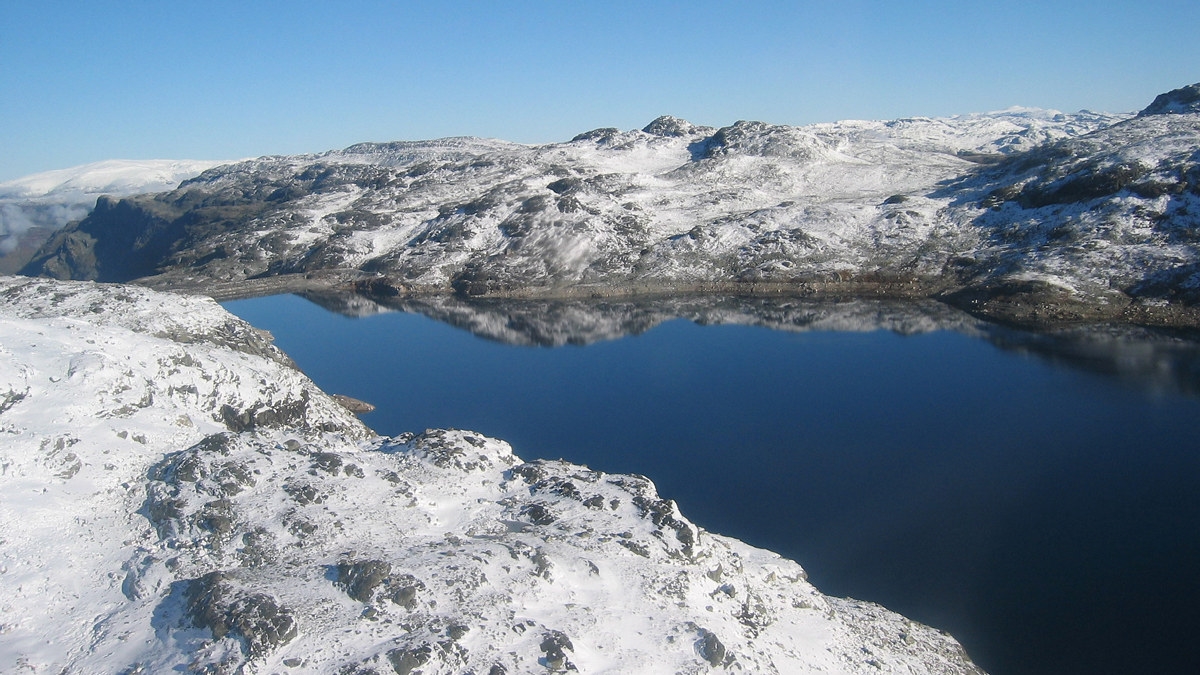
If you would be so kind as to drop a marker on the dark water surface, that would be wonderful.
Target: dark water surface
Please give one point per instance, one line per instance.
(1037, 497)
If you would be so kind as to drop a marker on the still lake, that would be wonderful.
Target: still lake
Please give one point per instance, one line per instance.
(1037, 496)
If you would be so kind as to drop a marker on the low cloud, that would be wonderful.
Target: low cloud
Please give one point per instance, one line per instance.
(18, 217)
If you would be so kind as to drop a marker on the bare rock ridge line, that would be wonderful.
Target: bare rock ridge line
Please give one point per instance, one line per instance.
(1030, 216)
(175, 496)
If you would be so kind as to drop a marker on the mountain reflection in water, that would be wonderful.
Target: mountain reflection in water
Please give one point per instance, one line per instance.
(1166, 360)
(1038, 501)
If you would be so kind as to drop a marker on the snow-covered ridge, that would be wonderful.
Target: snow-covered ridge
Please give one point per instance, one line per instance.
(1182, 101)
(917, 207)
(607, 205)
(200, 505)
(1111, 214)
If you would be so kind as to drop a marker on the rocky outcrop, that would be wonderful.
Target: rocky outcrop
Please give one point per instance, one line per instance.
(1185, 100)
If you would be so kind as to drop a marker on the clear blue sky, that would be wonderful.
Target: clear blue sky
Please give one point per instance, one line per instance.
(90, 80)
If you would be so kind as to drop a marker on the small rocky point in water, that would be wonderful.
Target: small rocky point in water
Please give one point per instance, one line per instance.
(354, 405)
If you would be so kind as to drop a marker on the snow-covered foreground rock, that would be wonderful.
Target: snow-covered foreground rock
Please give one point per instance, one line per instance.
(175, 496)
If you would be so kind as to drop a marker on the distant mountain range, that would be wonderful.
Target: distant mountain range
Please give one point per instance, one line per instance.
(1027, 215)
(34, 207)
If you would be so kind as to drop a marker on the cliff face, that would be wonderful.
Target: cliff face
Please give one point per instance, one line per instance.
(175, 495)
(1030, 215)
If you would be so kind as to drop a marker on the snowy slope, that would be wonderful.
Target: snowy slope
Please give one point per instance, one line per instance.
(1108, 216)
(175, 496)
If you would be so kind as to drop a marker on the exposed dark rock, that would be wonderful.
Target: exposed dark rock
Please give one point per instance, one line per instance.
(406, 661)
(671, 127)
(259, 549)
(710, 648)
(1175, 102)
(254, 618)
(293, 413)
(403, 590)
(329, 462)
(217, 517)
(354, 405)
(10, 398)
(360, 578)
(538, 514)
(445, 453)
(555, 645)
(565, 186)
(604, 135)
(164, 513)
(303, 493)
(1085, 183)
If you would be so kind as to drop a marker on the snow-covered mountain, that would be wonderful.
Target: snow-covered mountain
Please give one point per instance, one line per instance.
(672, 203)
(966, 208)
(33, 207)
(175, 496)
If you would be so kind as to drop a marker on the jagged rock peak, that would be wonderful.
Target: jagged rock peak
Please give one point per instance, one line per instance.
(667, 125)
(601, 135)
(1175, 102)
